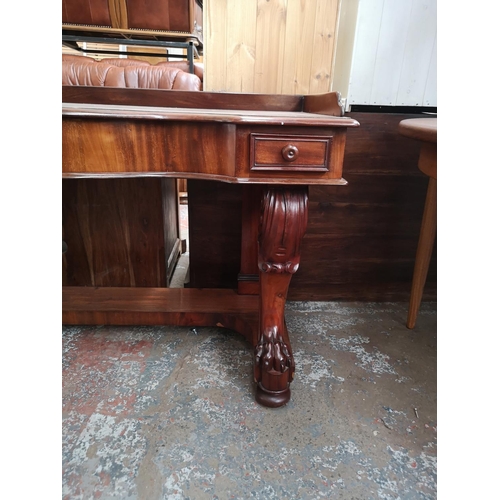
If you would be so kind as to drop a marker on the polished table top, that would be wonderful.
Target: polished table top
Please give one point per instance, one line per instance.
(254, 117)
(423, 129)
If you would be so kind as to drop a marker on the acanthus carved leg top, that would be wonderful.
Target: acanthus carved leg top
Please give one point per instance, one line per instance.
(283, 224)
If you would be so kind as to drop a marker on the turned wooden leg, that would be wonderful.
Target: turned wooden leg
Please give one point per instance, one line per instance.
(283, 224)
(424, 252)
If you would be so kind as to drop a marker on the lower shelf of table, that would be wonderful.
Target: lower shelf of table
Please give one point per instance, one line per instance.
(161, 306)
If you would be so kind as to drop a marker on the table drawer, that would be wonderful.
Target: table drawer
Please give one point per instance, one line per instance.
(300, 153)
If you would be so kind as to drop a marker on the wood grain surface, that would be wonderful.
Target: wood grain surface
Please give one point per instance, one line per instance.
(361, 238)
(160, 306)
(115, 233)
(272, 46)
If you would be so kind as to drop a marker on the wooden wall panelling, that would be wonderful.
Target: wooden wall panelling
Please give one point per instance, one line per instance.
(240, 45)
(361, 238)
(214, 212)
(269, 45)
(114, 232)
(215, 21)
(300, 23)
(275, 46)
(325, 31)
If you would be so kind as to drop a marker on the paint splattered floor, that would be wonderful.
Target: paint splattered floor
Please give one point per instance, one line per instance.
(168, 412)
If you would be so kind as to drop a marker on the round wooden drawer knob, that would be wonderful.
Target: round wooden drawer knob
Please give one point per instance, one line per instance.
(290, 153)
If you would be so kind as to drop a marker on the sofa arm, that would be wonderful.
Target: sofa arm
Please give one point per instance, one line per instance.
(88, 72)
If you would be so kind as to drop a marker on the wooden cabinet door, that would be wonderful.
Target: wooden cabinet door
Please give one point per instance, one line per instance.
(119, 232)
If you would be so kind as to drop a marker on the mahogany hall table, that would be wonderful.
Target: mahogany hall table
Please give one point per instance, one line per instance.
(276, 145)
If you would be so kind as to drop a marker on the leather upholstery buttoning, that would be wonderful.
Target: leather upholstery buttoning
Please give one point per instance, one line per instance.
(80, 70)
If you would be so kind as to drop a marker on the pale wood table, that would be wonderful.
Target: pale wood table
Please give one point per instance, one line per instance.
(424, 130)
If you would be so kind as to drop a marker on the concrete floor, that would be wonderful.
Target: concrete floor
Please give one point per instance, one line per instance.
(169, 413)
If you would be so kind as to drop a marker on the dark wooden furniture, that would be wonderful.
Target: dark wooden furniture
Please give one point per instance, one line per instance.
(361, 238)
(135, 19)
(151, 26)
(120, 232)
(275, 146)
(425, 131)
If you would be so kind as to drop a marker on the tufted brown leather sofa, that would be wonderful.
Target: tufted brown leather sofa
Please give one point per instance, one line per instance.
(130, 73)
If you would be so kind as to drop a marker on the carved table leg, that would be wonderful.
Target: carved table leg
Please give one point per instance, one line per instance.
(283, 224)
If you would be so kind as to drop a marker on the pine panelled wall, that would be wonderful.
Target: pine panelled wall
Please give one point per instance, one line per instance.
(276, 46)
